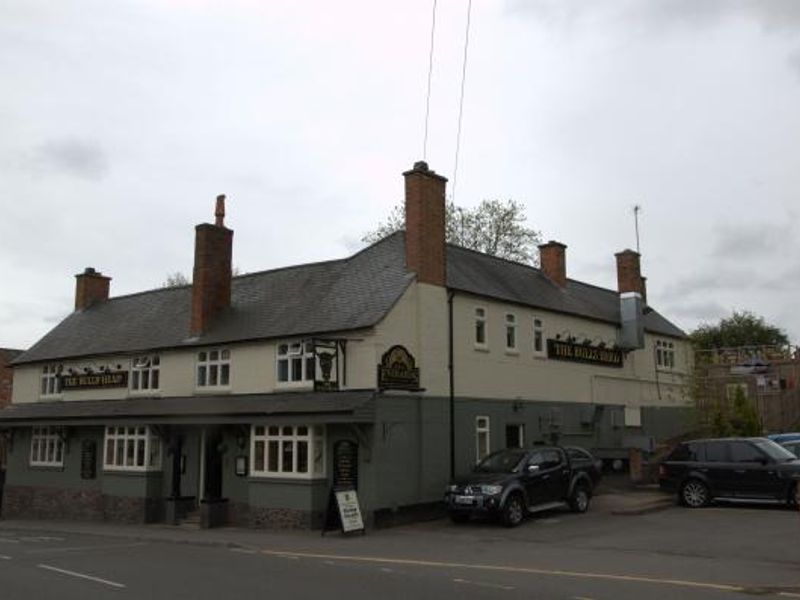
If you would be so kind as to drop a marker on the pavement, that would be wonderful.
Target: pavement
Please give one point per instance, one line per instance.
(616, 496)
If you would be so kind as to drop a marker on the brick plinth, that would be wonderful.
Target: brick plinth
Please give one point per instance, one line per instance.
(31, 502)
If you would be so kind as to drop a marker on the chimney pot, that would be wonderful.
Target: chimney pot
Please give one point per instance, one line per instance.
(553, 262)
(425, 224)
(219, 211)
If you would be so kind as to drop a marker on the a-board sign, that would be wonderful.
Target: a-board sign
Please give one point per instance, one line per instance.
(345, 465)
(88, 459)
(349, 511)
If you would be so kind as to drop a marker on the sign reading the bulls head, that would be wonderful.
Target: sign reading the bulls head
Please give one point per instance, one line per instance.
(398, 370)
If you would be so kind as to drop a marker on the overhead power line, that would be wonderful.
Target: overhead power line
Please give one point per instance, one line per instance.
(428, 95)
(461, 99)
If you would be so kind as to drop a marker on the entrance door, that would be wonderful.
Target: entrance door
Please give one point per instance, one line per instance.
(213, 466)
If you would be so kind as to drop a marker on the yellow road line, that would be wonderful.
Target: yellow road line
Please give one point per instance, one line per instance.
(505, 569)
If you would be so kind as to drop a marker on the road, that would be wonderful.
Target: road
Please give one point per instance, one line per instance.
(717, 552)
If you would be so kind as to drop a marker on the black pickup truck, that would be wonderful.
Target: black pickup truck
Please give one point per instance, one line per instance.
(514, 482)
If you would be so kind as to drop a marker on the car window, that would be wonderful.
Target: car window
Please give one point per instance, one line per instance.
(716, 451)
(504, 461)
(773, 450)
(744, 452)
(794, 448)
(578, 454)
(545, 459)
(689, 452)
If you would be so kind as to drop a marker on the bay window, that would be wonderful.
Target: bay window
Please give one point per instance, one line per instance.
(47, 447)
(131, 449)
(296, 451)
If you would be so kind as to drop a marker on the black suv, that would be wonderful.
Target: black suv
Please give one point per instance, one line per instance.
(751, 469)
(516, 481)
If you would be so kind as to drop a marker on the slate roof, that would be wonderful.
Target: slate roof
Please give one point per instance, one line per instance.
(318, 298)
(493, 277)
(351, 406)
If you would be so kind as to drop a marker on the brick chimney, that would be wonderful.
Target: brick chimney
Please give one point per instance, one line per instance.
(211, 281)
(90, 286)
(425, 224)
(553, 262)
(629, 273)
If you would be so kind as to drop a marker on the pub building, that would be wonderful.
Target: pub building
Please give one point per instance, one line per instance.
(247, 400)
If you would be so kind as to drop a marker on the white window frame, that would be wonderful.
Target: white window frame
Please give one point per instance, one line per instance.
(483, 429)
(270, 439)
(296, 350)
(511, 328)
(47, 447)
(479, 314)
(206, 366)
(119, 439)
(50, 381)
(538, 332)
(665, 354)
(144, 370)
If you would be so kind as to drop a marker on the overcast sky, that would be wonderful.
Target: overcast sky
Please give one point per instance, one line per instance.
(121, 121)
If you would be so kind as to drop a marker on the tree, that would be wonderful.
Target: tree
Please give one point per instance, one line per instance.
(741, 329)
(493, 227)
(176, 279)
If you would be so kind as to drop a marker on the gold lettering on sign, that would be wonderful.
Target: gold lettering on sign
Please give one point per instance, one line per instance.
(602, 356)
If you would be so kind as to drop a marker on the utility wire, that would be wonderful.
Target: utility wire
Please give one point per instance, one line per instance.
(428, 97)
(461, 100)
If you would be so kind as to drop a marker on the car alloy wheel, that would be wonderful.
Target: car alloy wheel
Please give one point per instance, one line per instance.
(694, 494)
(513, 511)
(580, 499)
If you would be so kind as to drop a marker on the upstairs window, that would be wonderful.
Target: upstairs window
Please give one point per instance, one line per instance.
(511, 333)
(145, 373)
(51, 380)
(287, 451)
(480, 327)
(214, 368)
(665, 354)
(538, 337)
(132, 449)
(47, 447)
(296, 364)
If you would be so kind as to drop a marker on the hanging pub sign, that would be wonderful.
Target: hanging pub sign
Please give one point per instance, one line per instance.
(398, 370)
(326, 354)
(90, 381)
(584, 353)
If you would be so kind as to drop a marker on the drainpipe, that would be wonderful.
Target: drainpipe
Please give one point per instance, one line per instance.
(450, 368)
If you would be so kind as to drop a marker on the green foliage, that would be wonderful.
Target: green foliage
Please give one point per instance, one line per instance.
(740, 329)
(493, 227)
(175, 279)
(739, 420)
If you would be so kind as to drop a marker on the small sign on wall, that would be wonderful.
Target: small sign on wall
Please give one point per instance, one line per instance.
(398, 370)
(88, 459)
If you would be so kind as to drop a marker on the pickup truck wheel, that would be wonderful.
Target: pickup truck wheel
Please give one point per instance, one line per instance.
(579, 501)
(793, 501)
(694, 494)
(513, 511)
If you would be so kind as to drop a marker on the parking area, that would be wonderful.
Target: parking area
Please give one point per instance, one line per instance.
(673, 553)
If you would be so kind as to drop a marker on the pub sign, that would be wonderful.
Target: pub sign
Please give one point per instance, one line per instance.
(398, 370)
(94, 380)
(583, 353)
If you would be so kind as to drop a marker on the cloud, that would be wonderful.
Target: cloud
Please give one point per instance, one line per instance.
(71, 156)
(696, 312)
(794, 62)
(772, 15)
(750, 240)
